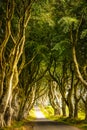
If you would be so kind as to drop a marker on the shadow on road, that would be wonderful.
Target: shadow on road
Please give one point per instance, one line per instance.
(44, 121)
(45, 124)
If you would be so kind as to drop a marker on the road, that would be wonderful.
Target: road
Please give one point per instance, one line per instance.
(44, 124)
(41, 124)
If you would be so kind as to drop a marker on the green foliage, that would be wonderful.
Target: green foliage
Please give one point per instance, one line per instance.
(47, 111)
(67, 23)
(84, 34)
(32, 114)
(61, 46)
(50, 110)
(48, 39)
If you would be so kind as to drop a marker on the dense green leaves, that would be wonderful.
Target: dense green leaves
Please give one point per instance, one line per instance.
(84, 34)
(67, 22)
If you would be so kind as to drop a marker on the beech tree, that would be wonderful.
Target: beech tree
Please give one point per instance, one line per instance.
(16, 15)
(49, 43)
(74, 25)
(71, 34)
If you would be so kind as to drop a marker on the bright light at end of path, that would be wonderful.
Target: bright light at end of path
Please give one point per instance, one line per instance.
(39, 114)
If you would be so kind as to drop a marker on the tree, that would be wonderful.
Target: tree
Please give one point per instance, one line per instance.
(74, 25)
(16, 17)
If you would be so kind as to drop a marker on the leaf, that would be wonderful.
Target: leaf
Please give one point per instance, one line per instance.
(67, 22)
(83, 34)
(58, 45)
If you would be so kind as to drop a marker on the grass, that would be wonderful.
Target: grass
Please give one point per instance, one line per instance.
(80, 122)
(18, 125)
(32, 114)
(49, 113)
(21, 125)
(15, 125)
(81, 115)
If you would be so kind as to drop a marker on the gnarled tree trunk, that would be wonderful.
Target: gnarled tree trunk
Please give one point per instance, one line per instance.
(8, 67)
(53, 98)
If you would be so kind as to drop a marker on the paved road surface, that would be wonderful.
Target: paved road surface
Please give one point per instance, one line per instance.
(42, 124)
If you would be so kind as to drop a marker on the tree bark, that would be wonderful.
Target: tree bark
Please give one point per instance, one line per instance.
(63, 107)
(86, 111)
(77, 66)
(53, 98)
(70, 91)
(27, 103)
(11, 73)
(76, 110)
(76, 100)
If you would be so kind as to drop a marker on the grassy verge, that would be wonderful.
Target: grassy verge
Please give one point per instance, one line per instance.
(49, 114)
(82, 124)
(21, 125)
(18, 125)
(32, 114)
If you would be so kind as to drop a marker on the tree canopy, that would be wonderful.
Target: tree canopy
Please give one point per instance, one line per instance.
(43, 52)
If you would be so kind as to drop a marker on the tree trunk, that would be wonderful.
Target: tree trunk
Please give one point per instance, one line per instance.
(2, 77)
(77, 66)
(76, 110)
(76, 99)
(2, 121)
(86, 111)
(6, 99)
(63, 107)
(11, 76)
(8, 115)
(15, 103)
(27, 103)
(53, 98)
(70, 109)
